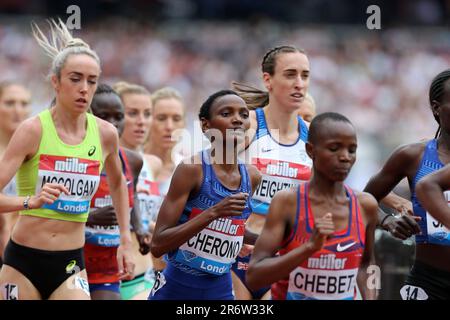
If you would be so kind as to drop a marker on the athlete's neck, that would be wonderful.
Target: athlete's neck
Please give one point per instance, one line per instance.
(123, 143)
(4, 140)
(278, 119)
(325, 187)
(226, 161)
(64, 121)
(163, 153)
(444, 142)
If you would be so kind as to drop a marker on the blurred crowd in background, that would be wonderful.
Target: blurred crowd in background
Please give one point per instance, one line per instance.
(379, 79)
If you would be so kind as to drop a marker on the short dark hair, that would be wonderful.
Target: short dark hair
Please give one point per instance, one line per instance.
(437, 91)
(104, 88)
(317, 121)
(206, 106)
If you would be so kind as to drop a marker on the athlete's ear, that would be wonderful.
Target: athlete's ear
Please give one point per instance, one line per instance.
(267, 79)
(55, 82)
(309, 149)
(204, 124)
(435, 108)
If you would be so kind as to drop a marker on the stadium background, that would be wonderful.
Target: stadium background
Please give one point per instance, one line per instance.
(377, 78)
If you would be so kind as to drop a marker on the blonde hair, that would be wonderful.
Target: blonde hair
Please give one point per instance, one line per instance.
(60, 45)
(122, 88)
(7, 83)
(312, 102)
(166, 93)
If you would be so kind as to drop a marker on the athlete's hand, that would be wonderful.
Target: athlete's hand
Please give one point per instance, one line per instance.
(246, 250)
(232, 205)
(401, 205)
(144, 239)
(323, 228)
(48, 195)
(403, 226)
(125, 261)
(105, 216)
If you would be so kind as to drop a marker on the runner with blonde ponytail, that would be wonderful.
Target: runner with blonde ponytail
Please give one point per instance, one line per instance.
(58, 156)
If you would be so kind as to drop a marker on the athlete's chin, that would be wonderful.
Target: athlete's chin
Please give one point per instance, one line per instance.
(294, 105)
(340, 176)
(80, 108)
(234, 141)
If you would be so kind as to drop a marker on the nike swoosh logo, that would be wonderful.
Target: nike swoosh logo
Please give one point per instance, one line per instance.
(343, 248)
(266, 150)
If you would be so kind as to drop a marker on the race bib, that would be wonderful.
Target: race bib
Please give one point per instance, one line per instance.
(409, 292)
(215, 248)
(150, 201)
(437, 232)
(79, 176)
(322, 284)
(104, 236)
(160, 281)
(325, 276)
(102, 197)
(278, 175)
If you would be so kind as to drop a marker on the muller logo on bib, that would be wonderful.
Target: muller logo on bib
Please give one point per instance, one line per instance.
(283, 169)
(226, 226)
(68, 165)
(214, 248)
(71, 165)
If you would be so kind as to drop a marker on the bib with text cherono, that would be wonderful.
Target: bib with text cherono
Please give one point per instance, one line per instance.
(215, 248)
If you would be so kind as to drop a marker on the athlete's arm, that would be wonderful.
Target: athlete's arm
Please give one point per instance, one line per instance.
(367, 286)
(119, 195)
(168, 234)
(255, 177)
(135, 162)
(23, 145)
(279, 223)
(398, 203)
(430, 191)
(400, 164)
(142, 236)
(105, 216)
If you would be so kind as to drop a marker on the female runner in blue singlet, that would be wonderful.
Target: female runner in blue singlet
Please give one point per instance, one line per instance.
(201, 223)
(430, 274)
